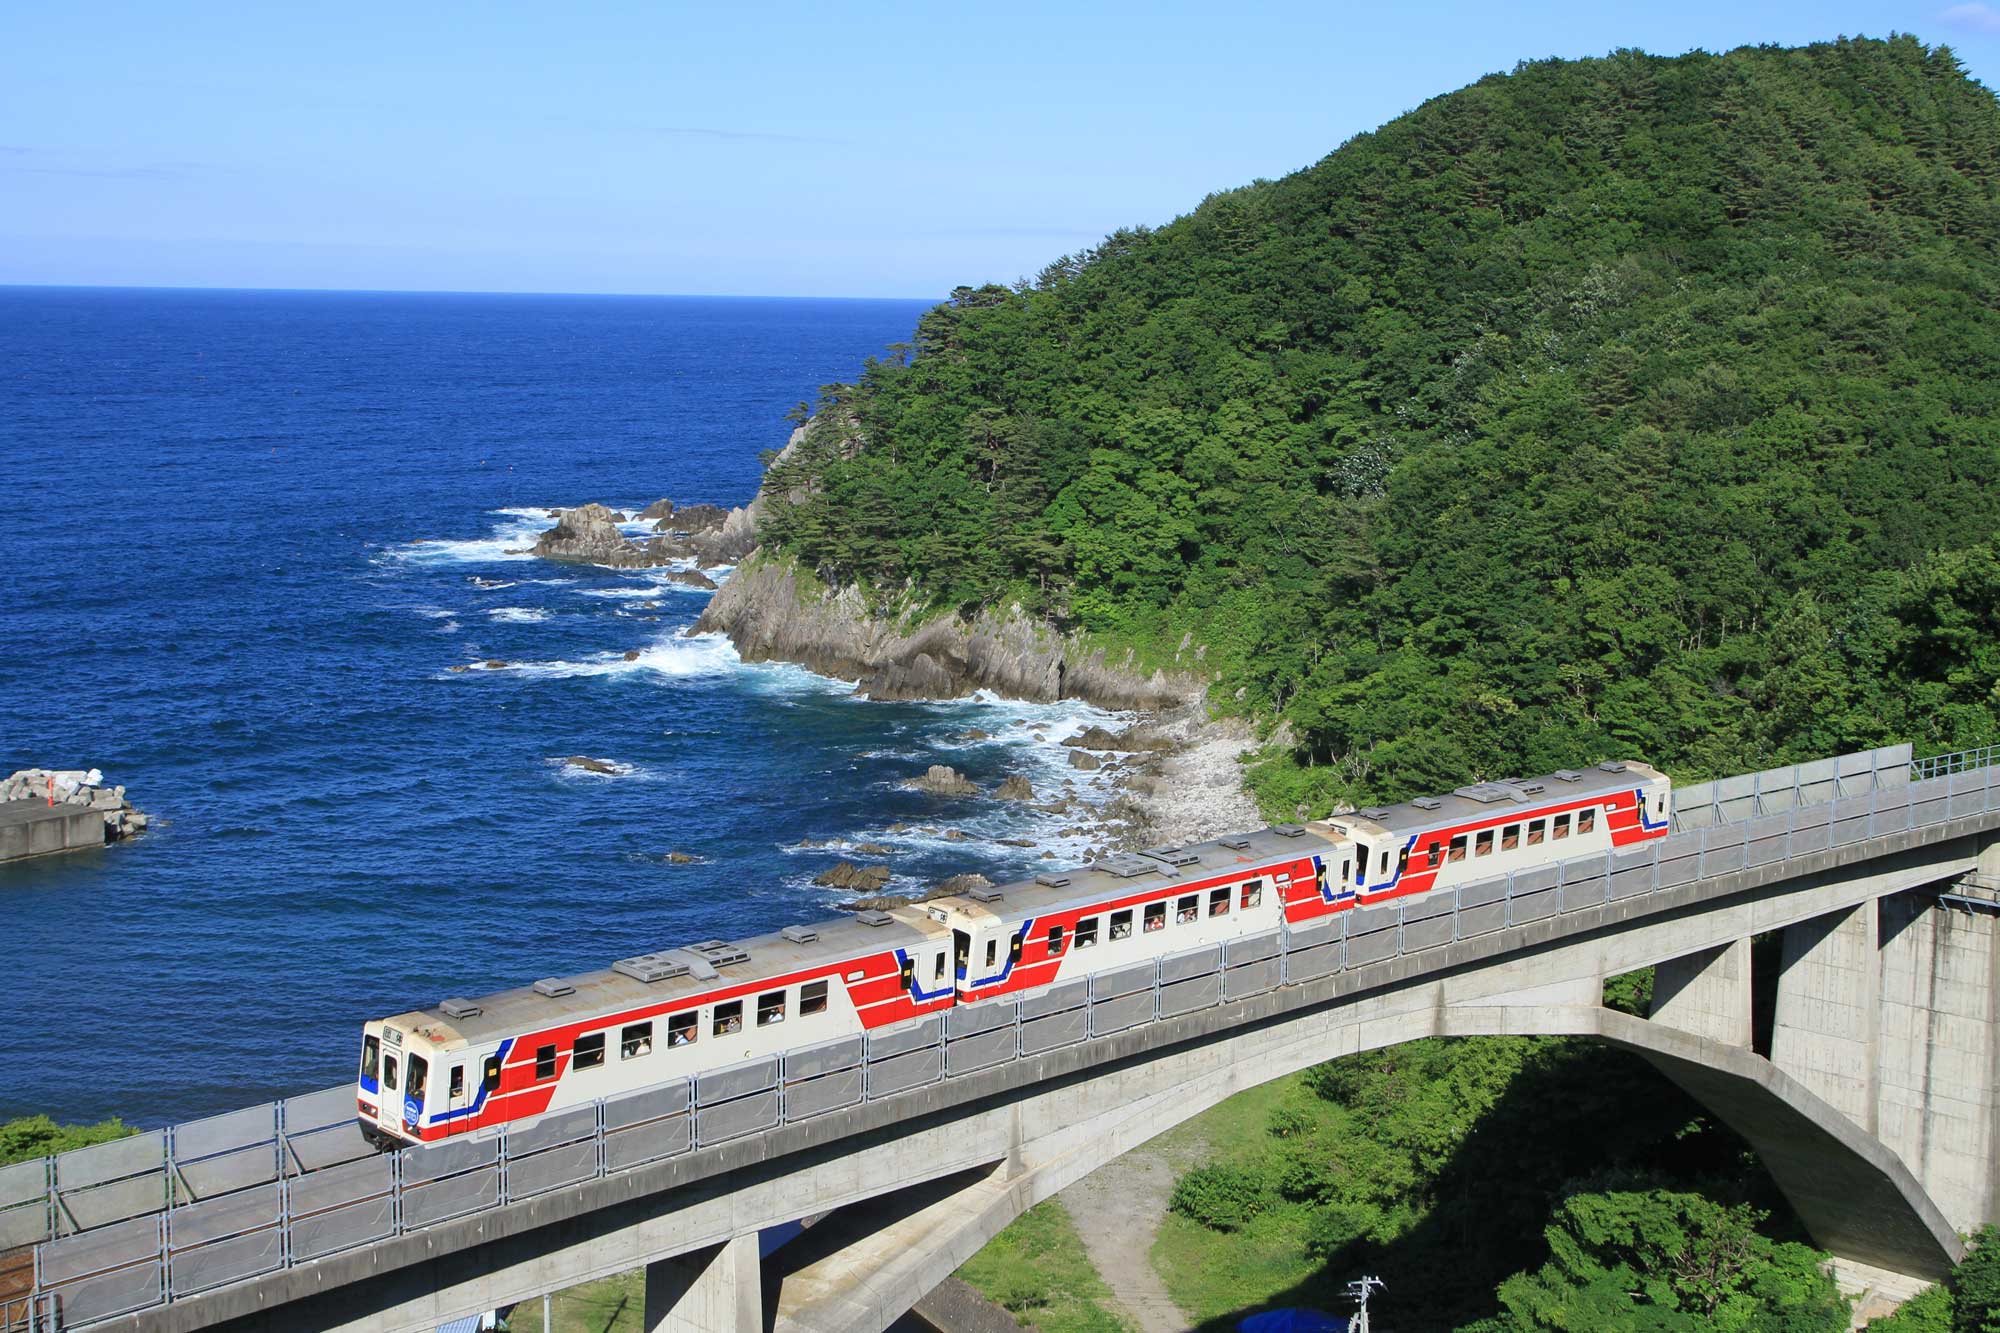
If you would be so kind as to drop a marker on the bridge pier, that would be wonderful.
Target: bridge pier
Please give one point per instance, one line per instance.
(1706, 994)
(1829, 989)
(716, 1289)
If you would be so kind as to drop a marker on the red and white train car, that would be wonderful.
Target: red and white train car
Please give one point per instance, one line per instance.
(466, 1065)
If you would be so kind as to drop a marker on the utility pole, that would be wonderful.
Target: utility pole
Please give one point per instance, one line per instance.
(1359, 1291)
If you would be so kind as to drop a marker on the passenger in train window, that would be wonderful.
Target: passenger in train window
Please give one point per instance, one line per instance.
(1218, 902)
(635, 1041)
(812, 995)
(1086, 932)
(1253, 893)
(1559, 828)
(682, 1029)
(1121, 924)
(1432, 855)
(770, 1008)
(1535, 827)
(1188, 909)
(1055, 939)
(1156, 917)
(1586, 820)
(1457, 848)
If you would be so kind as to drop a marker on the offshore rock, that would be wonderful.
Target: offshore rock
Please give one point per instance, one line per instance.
(687, 578)
(1015, 788)
(853, 878)
(943, 780)
(588, 534)
(960, 884)
(771, 615)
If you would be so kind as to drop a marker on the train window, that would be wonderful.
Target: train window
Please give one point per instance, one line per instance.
(1086, 932)
(1121, 925)
(1457, 852)
(420, 1077)
(1156, 917)
(1483, 844)
(937, 970)
(1346, 871)
(1510, 838)
(992, 951)
(1535, 827)
(457, 1089)
(1585, 820)
(1188, 909)
(812, 995)
(545, 1062)
(682, 1029)
(1055, 939)
(589, 1053)
(1432, 855)
(489, 1074)
(635, 1040)
(389, 1073)
(1403, 861)
(1559, 828)
(1218, 902)
(770, 1008)
(1361, 864)
(1253, 893)
(728, 1018)
(371, 1058)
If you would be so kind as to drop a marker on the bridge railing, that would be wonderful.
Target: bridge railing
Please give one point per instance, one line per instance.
(1776, 790)
(301, 1207)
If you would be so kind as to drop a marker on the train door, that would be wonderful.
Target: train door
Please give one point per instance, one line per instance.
(416, 1090)
(458, 1100)
(961, 956)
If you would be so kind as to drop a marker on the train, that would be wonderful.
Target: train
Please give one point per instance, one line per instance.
(472, 1064)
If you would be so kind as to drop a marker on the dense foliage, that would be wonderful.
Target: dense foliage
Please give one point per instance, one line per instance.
(1629, 405)
(38, 1136)
(1550, 1171)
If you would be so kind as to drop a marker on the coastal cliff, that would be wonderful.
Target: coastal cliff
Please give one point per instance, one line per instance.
(771, 614)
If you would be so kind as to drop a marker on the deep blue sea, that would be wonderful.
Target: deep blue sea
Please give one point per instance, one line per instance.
(247, 535)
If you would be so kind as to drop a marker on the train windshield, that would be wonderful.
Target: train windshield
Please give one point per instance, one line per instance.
(371, 1058)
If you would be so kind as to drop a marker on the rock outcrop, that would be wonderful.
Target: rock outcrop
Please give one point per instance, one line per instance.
(943, 780)
(852, 878)
(589, 535)
(1016, 788)
(703, 534)
(770, 615)
(76, 786)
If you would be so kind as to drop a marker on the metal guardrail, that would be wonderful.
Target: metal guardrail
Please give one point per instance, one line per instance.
(1943, 765)
(293, 1212)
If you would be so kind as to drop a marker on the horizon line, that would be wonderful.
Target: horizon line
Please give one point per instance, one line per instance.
(437, 291)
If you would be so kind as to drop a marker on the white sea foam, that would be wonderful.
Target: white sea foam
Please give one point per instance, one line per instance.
(679, 658)
(619, 769)
(518, 615)
(513, 533)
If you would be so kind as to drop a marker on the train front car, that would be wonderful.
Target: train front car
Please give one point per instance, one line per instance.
(468, 1064)
(1484, 830)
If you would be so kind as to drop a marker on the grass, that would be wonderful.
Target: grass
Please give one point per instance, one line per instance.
(609, 1305)
(1214, 1274)
(1037, 1270)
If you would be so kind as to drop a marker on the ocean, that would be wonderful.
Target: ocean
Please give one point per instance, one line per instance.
(250, 535)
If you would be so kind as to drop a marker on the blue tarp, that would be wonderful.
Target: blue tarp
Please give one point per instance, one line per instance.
(1293, 1321)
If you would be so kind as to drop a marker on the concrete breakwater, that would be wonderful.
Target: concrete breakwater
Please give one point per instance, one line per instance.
(58, 810)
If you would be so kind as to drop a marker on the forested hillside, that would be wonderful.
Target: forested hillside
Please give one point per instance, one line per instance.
(1619, 406)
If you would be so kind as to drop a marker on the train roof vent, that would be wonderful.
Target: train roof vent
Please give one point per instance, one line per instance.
(1424, 803)
(651, 967)
(985, 893)
(871, 917)
(1375, 811)
(799, 934)
(1235, 844)
(1054, 879)
(1173, 855)
(1288, 830)
(1567, 775)
(1125, 865)
(1533, 788)
(554, 987)
(459, 1009)
(719, 953)
(1614, 766)
(1484, 792)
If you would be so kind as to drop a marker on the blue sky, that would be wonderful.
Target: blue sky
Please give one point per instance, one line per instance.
(883, 149)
